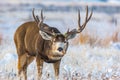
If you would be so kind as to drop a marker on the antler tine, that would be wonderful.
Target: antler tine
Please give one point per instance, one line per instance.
(86, 19)
(79, 23)
(86, 14)
(90, 16)
(42, 18)
(35, 17)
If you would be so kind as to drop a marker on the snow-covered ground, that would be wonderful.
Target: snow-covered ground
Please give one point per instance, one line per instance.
(83, 61)
(80, 62)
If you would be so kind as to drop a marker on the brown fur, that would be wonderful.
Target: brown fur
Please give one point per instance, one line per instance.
(29, 44)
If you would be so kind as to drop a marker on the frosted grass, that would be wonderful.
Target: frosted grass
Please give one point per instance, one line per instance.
(81, 62)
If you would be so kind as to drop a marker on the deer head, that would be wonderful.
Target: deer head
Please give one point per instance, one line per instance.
(58, 41)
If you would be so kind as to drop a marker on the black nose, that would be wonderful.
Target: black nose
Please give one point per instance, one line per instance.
(60, 49)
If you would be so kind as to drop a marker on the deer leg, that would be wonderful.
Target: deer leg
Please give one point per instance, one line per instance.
(39, 62)
(19, 68)
(29, 59)
(23, 63)
(56, 68)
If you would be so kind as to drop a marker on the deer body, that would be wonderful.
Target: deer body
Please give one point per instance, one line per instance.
(21, 37)
(37, 40)
(28, 38)
(30, 44)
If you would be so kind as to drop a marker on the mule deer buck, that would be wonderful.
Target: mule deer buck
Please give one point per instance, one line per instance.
(37, 40)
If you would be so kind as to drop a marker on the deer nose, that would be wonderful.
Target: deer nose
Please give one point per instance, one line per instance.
(60, 49)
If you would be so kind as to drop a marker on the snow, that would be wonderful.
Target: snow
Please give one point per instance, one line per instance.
(77, 63)
(81, 62)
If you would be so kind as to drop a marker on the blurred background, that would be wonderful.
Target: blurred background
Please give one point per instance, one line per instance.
(99, 42)
(104, 24)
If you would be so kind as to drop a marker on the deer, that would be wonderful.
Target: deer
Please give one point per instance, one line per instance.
(36, 40)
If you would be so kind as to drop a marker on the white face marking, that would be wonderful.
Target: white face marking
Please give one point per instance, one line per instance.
(58, 45)
(55, 50)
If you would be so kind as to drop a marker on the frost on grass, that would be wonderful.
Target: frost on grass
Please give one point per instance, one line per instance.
(86, 62)
(80, 63)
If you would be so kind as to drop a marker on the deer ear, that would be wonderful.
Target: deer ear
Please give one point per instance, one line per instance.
(71, 34)
(45, 35)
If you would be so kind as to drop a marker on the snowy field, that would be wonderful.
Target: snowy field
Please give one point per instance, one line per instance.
(92, 55)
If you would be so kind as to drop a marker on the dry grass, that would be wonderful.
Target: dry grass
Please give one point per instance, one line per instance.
(93, 40)
(116, 35)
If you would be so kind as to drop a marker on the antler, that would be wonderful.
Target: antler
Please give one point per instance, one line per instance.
(81, 27)
(36, 18)
(40, 22)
